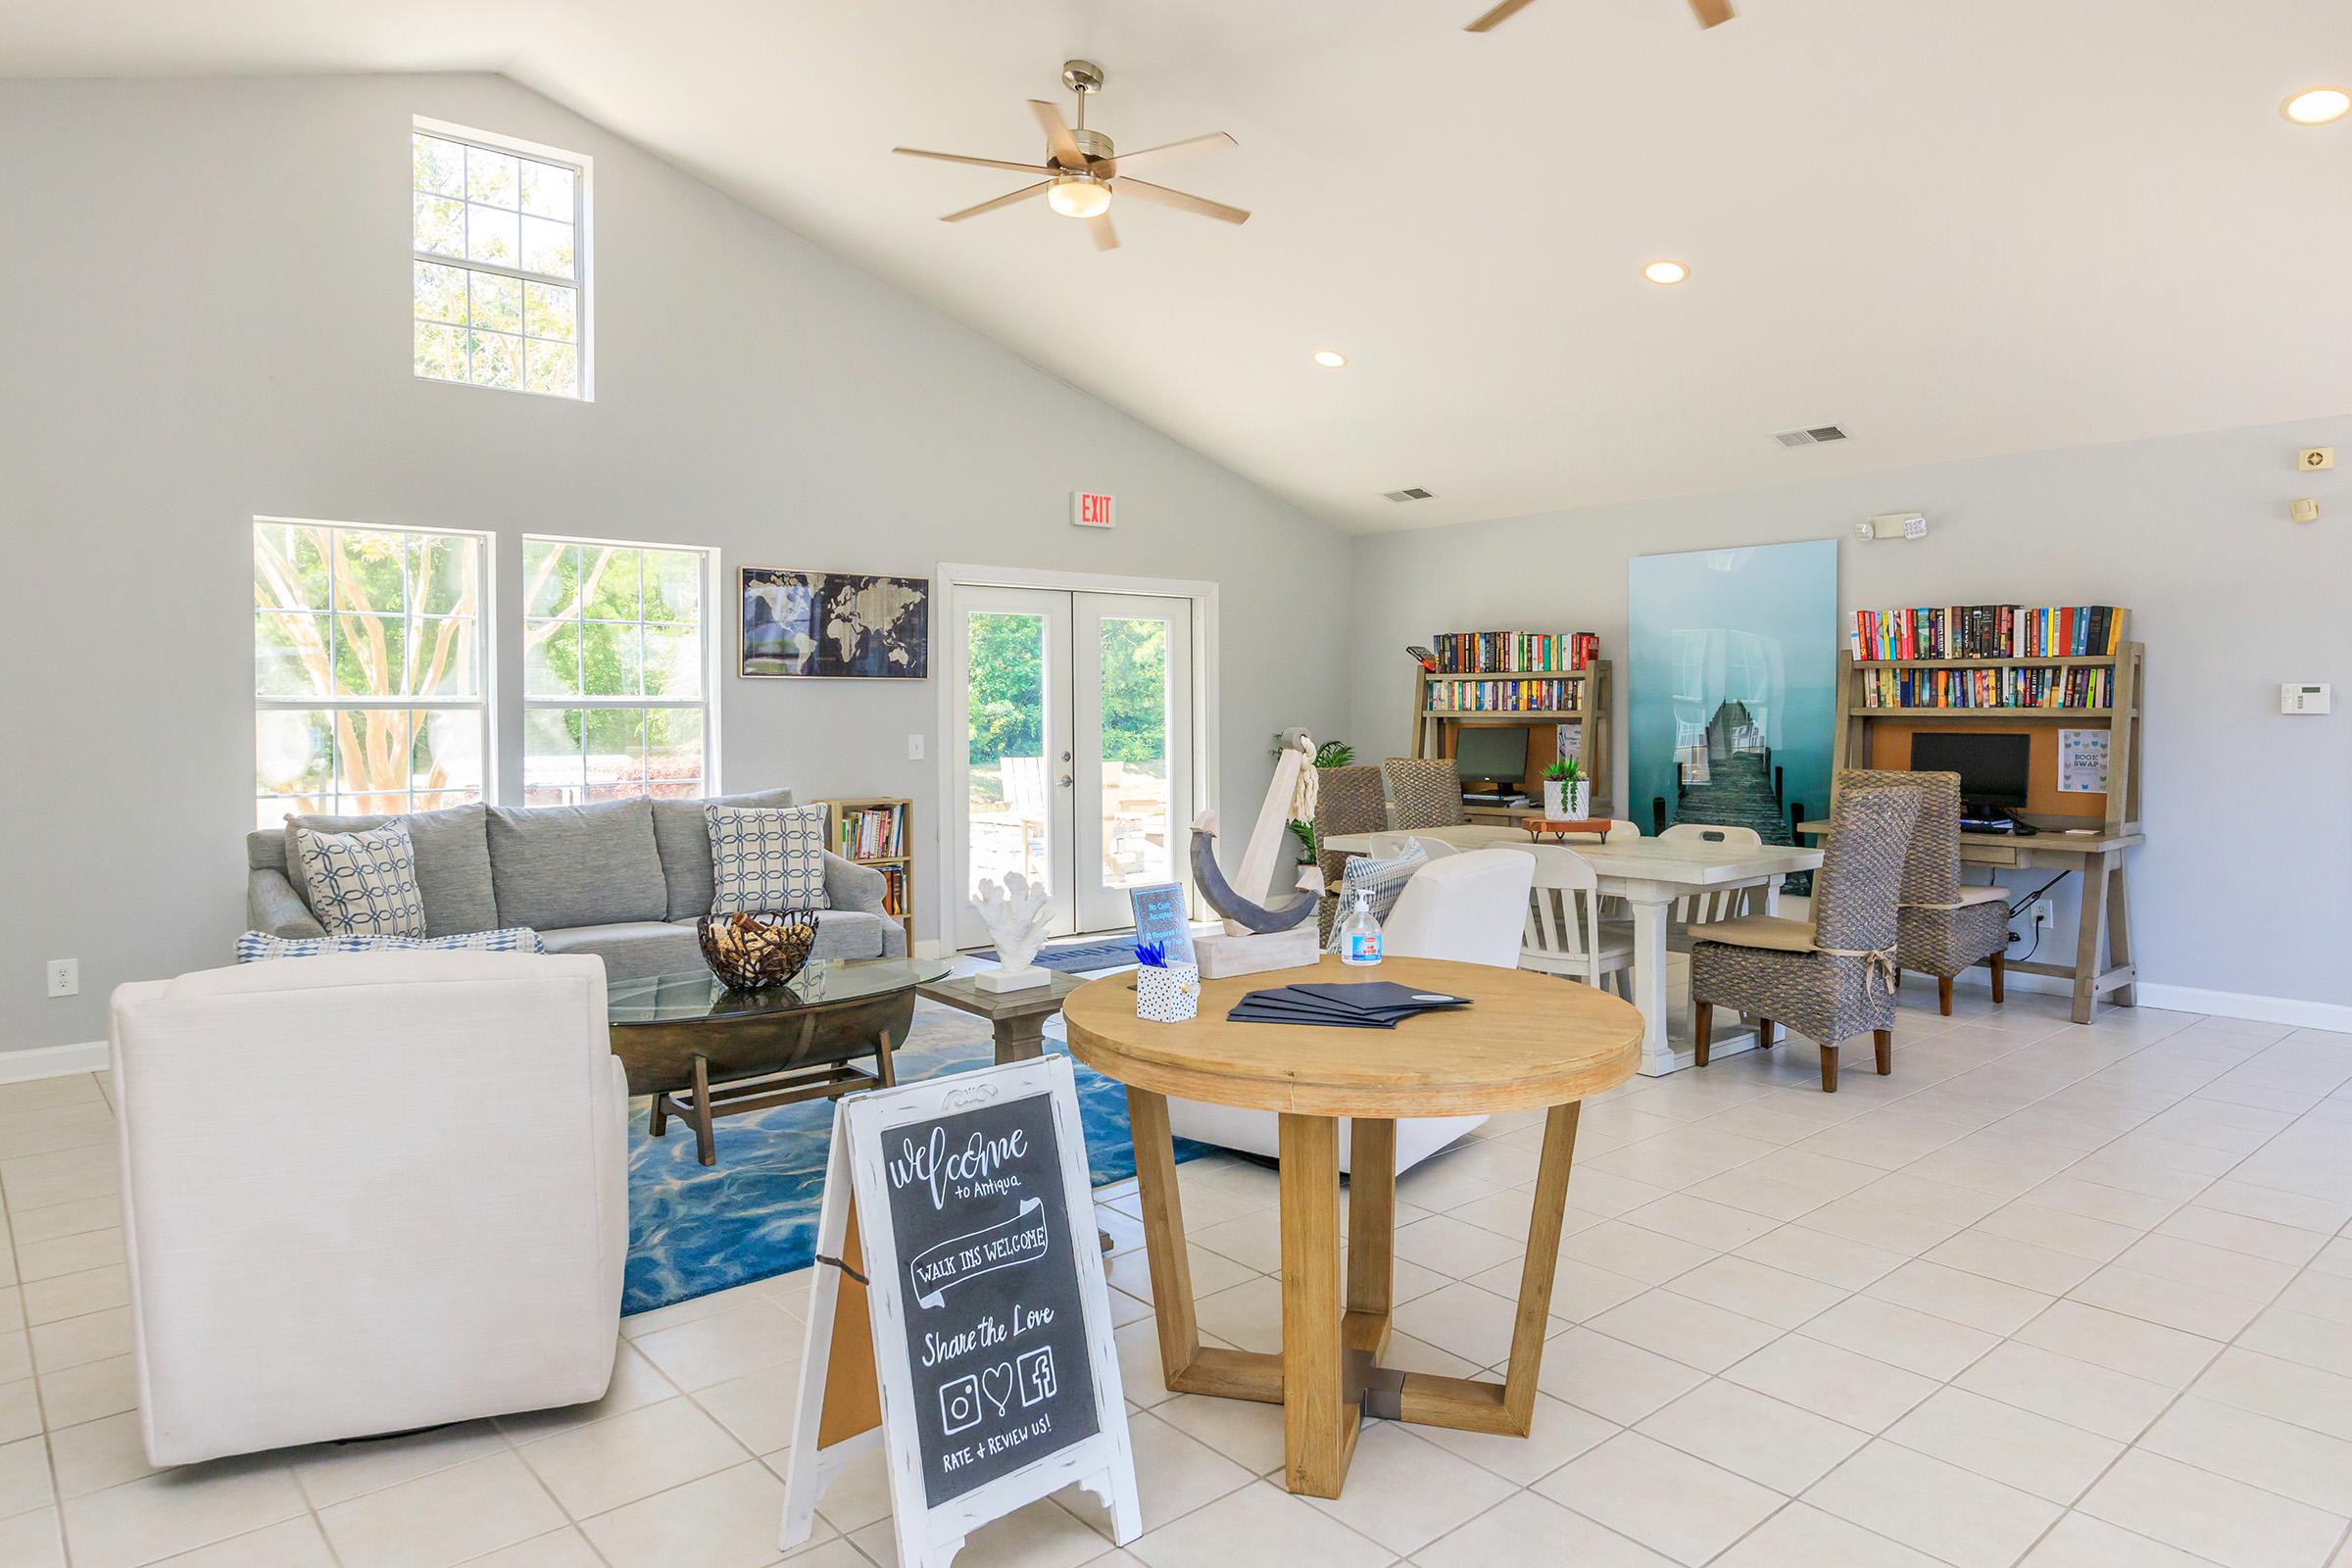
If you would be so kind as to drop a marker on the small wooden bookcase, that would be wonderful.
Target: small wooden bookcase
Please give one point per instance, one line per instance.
(898, 869)
(1437, 730)
(2092, 834)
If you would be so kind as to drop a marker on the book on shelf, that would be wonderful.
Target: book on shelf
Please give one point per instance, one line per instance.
(1989, 631)
(893, 890)
(2046, 687)
(872, 832)
(1513, 653)
(1511, 696)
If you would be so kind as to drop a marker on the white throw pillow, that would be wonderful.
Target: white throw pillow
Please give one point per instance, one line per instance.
(362, 884)
(764, 861)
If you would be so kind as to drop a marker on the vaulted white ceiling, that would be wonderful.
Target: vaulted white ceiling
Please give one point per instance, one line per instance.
(1955, 227)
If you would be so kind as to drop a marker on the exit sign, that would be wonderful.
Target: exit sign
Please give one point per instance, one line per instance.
(1089, 511)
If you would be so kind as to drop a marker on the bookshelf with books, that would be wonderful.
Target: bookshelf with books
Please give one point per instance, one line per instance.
(1536, 683)
(2044, 669)
(874, 832)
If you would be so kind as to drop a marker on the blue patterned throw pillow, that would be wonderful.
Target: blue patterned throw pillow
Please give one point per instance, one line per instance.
(255, 946)
(362, 884)
(764, 861)
(1385, 880)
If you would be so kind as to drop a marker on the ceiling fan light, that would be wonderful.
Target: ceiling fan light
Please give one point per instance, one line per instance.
(1665, 272)
(2318, 106)
(1079, 196)
(1331, 359)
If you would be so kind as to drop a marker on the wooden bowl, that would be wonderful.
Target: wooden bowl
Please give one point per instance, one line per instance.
(757, 952)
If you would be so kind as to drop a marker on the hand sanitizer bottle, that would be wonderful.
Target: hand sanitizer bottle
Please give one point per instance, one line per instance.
(1359, 934)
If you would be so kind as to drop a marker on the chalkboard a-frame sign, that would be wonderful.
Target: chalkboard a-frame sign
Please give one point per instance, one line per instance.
(977, 1350)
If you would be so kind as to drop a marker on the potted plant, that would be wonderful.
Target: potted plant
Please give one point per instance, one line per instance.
(1567, 793)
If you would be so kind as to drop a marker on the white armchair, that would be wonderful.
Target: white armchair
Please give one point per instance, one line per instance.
(367, 1193)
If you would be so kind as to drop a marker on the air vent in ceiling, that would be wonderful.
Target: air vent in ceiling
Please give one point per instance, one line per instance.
(1810, 438)
(1416, 493)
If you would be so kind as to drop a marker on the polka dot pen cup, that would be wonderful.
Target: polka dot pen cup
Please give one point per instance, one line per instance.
(1164, 992)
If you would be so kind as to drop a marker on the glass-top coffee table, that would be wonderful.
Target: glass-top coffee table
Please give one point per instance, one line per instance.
(702, 1051)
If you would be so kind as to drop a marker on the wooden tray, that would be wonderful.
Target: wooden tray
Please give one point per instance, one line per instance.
(1560, 827)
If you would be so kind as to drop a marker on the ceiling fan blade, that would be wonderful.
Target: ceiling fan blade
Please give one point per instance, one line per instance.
(1064, 146)
(1110, 166)
(1711, 13)
(1182, 201)
(1007, 199)
(1498, 16)
(1106, 238)
(983, 163)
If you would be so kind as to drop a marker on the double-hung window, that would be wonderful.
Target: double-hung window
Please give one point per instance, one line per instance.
(615, 671)
(500, 266)
(367, 669)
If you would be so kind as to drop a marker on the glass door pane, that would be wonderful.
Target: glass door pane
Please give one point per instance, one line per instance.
(1015, 746)
(1134, 728)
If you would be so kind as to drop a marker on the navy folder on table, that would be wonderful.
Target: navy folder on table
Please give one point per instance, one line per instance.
(1359, 1004)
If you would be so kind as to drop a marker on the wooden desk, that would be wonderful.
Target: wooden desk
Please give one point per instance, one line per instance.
(2103, 965)
(1648, 874)
(1525, 1040)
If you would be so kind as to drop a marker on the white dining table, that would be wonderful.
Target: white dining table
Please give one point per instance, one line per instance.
(1648, 874)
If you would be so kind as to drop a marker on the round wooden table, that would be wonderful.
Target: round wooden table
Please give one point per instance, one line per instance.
(1526, 1041)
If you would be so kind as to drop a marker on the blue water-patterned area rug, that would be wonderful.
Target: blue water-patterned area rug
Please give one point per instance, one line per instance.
(695, 1230)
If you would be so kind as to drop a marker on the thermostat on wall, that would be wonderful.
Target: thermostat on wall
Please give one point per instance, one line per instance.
(2297, 696)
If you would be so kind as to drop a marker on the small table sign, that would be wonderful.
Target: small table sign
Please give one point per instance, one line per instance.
(954, 1320)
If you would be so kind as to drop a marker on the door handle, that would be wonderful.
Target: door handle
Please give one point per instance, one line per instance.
(1067, 781)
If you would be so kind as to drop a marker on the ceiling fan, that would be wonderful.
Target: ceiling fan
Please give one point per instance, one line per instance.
(1083, 169)
(1710, 14)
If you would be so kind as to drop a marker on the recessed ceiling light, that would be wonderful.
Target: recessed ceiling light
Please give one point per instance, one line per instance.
(1330, 359)
(1665, 272)
(2318, 106)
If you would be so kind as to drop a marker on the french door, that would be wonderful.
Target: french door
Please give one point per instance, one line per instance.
(1076, 761)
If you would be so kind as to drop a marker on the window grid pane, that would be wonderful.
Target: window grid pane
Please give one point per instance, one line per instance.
(497, 296)
(397, 616)
(614, 682)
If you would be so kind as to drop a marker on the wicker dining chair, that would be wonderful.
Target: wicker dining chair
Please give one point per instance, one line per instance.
(1941, 927)
(1423, 792)
(1833, 978)
(1347, 800)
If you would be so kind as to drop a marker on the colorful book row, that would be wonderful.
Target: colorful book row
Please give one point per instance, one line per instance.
(1989, 631)
(1554, 695)
(1512, 653)
(2080, 687)
(872, 833)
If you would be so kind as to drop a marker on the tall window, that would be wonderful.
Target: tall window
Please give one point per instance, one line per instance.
(367, 668)
(500, 236)
(615, 670)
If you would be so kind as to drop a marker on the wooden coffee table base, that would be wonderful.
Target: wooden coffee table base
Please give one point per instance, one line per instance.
(699, 1105)
(1333, 1327)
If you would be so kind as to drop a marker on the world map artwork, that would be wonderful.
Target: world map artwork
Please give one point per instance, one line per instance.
(832, 624)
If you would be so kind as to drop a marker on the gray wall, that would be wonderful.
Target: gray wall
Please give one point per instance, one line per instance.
(205, 318)
(2243, 882)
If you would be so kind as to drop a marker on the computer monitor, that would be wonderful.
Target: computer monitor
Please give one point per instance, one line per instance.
(1994, 768)
(1494, 752)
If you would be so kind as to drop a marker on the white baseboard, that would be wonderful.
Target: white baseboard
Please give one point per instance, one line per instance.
(2290, 1011)
(52, 1061)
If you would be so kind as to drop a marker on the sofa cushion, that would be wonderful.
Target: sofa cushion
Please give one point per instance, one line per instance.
(453, 862)
(682, 833)
(763, 861)
(557, 867)
(362, 884)
(632, 950)
(254, 946)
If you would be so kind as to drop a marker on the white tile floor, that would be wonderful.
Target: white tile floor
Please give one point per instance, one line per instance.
(2075, 1298)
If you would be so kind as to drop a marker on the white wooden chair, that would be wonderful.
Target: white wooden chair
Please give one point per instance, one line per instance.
(1565, 932)
(1718, 904)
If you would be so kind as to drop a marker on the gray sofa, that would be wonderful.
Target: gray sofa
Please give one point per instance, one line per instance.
(625, 880)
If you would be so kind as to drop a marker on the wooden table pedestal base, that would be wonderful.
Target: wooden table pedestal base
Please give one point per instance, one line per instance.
(1335, 1326)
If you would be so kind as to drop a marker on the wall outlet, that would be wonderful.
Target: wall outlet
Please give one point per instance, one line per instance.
(2041, 913)
(914, 747)
(64, 977)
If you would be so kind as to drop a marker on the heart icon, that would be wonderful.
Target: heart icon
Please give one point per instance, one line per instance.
(996, 1384)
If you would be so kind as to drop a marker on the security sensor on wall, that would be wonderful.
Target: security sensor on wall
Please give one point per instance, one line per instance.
(1893, 525)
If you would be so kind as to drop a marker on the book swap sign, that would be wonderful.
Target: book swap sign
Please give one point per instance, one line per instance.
(959, 1319)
